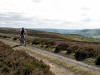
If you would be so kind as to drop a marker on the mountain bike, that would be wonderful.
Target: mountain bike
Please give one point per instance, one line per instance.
(22, 40)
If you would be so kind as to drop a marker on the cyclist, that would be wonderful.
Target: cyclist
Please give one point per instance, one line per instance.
(22, 36)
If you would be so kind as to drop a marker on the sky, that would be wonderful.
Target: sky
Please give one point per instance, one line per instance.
(59, 14)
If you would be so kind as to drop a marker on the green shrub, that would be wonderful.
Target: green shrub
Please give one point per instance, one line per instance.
(72, 48)
(36, 41)
(81, 54)
(62, 46)
(4, 36)
(44, 42)
(97, 52)
(91, 52)
(49, 42)
(98, 61)
(85, 52)
(15, 38)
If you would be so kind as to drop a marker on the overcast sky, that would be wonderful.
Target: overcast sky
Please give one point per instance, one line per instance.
(60, 14)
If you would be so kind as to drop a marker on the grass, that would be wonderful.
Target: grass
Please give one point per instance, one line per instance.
(90, 60)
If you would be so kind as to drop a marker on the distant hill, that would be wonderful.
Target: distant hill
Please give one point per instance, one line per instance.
(94, 33)
(63, 31)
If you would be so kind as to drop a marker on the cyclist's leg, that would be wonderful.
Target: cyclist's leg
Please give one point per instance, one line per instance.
(21, 40)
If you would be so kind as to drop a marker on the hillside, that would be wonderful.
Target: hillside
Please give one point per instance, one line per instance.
(50, 35)
(20, 63)
(94, 33)
(84, 50)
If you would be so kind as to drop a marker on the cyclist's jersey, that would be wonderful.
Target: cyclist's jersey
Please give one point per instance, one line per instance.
(22, 32)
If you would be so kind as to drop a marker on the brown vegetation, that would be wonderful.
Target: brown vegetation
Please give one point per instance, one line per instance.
(80, 51)
(19, 63)
(58, 42)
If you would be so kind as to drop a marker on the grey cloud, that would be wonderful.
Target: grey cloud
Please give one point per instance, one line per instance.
(18, 20)
(8, 19)
(85, 8)
(37, 1)
(84, 14)
(87, 20)
(13, 17)
(67, 22)
(44, 22)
